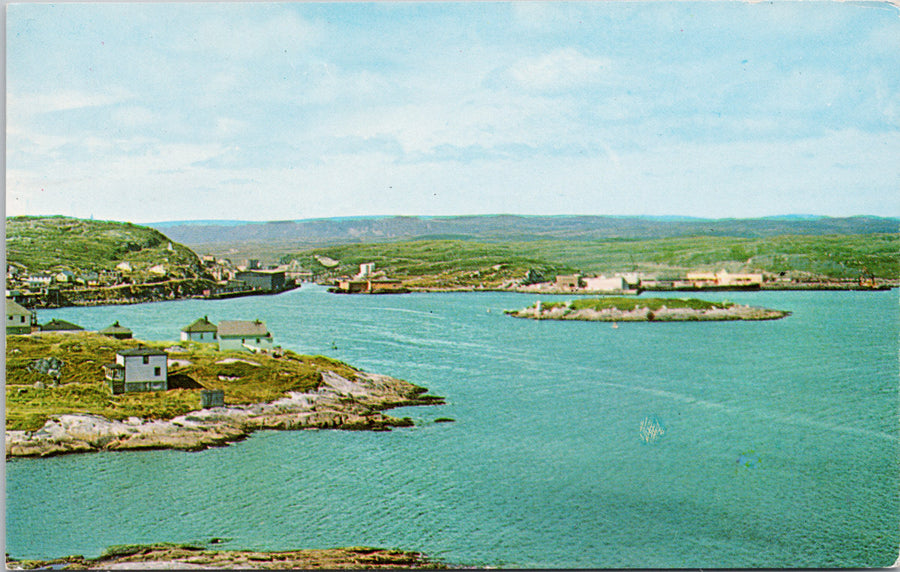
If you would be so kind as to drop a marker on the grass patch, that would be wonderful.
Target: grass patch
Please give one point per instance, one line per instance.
(629, 304)
(60, 243)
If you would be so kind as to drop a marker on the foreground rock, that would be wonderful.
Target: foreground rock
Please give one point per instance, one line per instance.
(339, 403)
(187, 557)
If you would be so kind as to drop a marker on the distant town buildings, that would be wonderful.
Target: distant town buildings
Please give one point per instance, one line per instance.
(720, 279)
(603, 284)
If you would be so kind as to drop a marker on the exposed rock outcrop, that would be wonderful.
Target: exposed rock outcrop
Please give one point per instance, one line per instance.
(339, 403)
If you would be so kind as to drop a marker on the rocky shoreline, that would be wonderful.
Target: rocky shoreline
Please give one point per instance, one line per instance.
(339, 403)
(165, 556)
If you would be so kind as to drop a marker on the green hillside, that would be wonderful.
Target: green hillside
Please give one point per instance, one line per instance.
(449, 263)
(41, 244)
(438, 263)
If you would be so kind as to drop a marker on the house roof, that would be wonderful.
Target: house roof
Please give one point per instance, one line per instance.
(242, 328)
(13, 308)
(141, 351)
(200, 325)
(56, 325)
(115, 329)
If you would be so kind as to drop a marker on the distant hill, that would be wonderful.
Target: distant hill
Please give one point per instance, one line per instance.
(455, 263)
(320, 232)
(41, 244)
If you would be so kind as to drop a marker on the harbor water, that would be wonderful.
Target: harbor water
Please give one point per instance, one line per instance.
(575, 444)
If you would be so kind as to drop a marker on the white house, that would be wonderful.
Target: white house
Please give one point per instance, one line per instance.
(242, 335)
(603, 284)
(19, 319)
(138, 369)
(202, 330)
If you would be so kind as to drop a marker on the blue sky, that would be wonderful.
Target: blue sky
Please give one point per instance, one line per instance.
(255, 111)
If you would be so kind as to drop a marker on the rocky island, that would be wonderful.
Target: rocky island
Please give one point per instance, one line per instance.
(69, 407)
(621, 309)
(193, 557)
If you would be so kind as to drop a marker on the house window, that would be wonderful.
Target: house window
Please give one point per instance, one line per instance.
(156, 371)
(257, 340)
(146, 360)
(22, 318)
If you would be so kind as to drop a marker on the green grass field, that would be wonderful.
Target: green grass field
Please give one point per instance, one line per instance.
(83, 388)
(629, 304)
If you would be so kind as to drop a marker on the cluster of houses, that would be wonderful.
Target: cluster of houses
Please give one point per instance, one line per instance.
(146, 369)
(368, 281)
(246, 277)
(20, 282)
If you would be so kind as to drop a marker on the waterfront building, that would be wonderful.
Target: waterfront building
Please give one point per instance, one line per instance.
(268, 280)
(19, 319)
(366, 269)
(722, 278)
(603, 284)
(568, 281)
(243, 335)
(202, 330)
(138, 369)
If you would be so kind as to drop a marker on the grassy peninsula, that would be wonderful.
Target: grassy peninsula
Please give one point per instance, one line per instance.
(170, 555)
(78, 412)
(619, 309)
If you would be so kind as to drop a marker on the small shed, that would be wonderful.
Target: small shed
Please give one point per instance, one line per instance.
(117, 331)
(210, 398)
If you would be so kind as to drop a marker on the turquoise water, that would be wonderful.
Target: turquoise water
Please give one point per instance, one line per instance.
(778, 443)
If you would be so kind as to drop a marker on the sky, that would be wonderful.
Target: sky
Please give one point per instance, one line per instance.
(149, 112)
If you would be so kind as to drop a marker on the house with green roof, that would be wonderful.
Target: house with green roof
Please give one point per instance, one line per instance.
(117, 331)
(202, 330)
(55, 325)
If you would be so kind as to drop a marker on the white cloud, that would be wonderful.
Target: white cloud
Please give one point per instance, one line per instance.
(65, 100)
(560, 70)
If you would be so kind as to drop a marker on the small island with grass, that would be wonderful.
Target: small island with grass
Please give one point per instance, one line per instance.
(166, 555)
(59, 398)
(619, 309)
